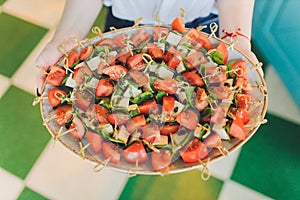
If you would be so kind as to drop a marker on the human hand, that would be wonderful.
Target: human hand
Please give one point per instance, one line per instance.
(254, 59)
(47, 58)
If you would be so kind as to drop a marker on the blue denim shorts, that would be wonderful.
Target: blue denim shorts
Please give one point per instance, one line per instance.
(121, 23)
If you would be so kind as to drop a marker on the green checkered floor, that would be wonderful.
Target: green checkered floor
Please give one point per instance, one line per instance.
(33, 166)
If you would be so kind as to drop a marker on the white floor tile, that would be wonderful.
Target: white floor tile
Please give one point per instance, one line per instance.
(4, 84)
(25, 77)
(235, 191)
(280, 101)
(60, 174)
(43, 13)
(10, 185)
(223, 167)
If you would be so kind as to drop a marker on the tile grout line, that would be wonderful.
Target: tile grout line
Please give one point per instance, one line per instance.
(4, 10)
(15, 177)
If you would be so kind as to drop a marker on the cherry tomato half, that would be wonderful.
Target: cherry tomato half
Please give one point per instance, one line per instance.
(55, 95)
(104, 88)
(135, 153)
(56, 76)
(194, 152)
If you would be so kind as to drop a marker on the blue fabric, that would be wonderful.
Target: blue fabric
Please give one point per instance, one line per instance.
(121, 23)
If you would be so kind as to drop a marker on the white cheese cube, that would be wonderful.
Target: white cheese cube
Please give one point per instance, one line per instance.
(122, 134)
(153, 68)
(182, 49)
(93, 63)
(164, 73)
(93, 83)
(222, 133)
(173, 39)
(113, 53)
(71, 82)
(120, 101)
(134, 91)
(180, 68)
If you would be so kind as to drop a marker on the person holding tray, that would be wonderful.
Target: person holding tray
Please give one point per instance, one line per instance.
(233, 17)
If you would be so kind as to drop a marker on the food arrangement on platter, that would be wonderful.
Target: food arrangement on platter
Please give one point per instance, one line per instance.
(153, 99)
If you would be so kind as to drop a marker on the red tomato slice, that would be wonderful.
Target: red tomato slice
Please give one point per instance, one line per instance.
(135, 123)
(243, 84)
(195, 59)
(106, 42)
(194, 152)
(237, 128)
(86, 52)
(188, 119)
(101, 113)
(78, 128)
(115, 72)
(121, 39)
(72, 58)
(213, 141)
(95, 140)
(221, 92)
(111, 152)
(193, 78)
(149, 107)
(193, 34)
(168, 104)
(178, 24)
(160, 160)
(169, 129)
(118, 118)
(64, 114)
(244, 115)
(204, 41)
(135, 153)
(123, 56)
(136, 62)
(56, 76)
(169, 86)
(201, 99)
(160, 33)
(139, 77)
(140, 37)
(55, 95)
(83, 99)
(80, 74)
(173, 62)
(154, 51)
(104, 88)
(223, 50)
(244, 101)
(239, 68)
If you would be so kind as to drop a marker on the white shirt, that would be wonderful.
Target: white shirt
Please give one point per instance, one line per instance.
(167, 10)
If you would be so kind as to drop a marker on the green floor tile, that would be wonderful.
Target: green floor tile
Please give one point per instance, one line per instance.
(187, 185)
(30, 194)
(22, 136)
(270, 161)
(17, 39)
(2, 1)
(100, 21)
